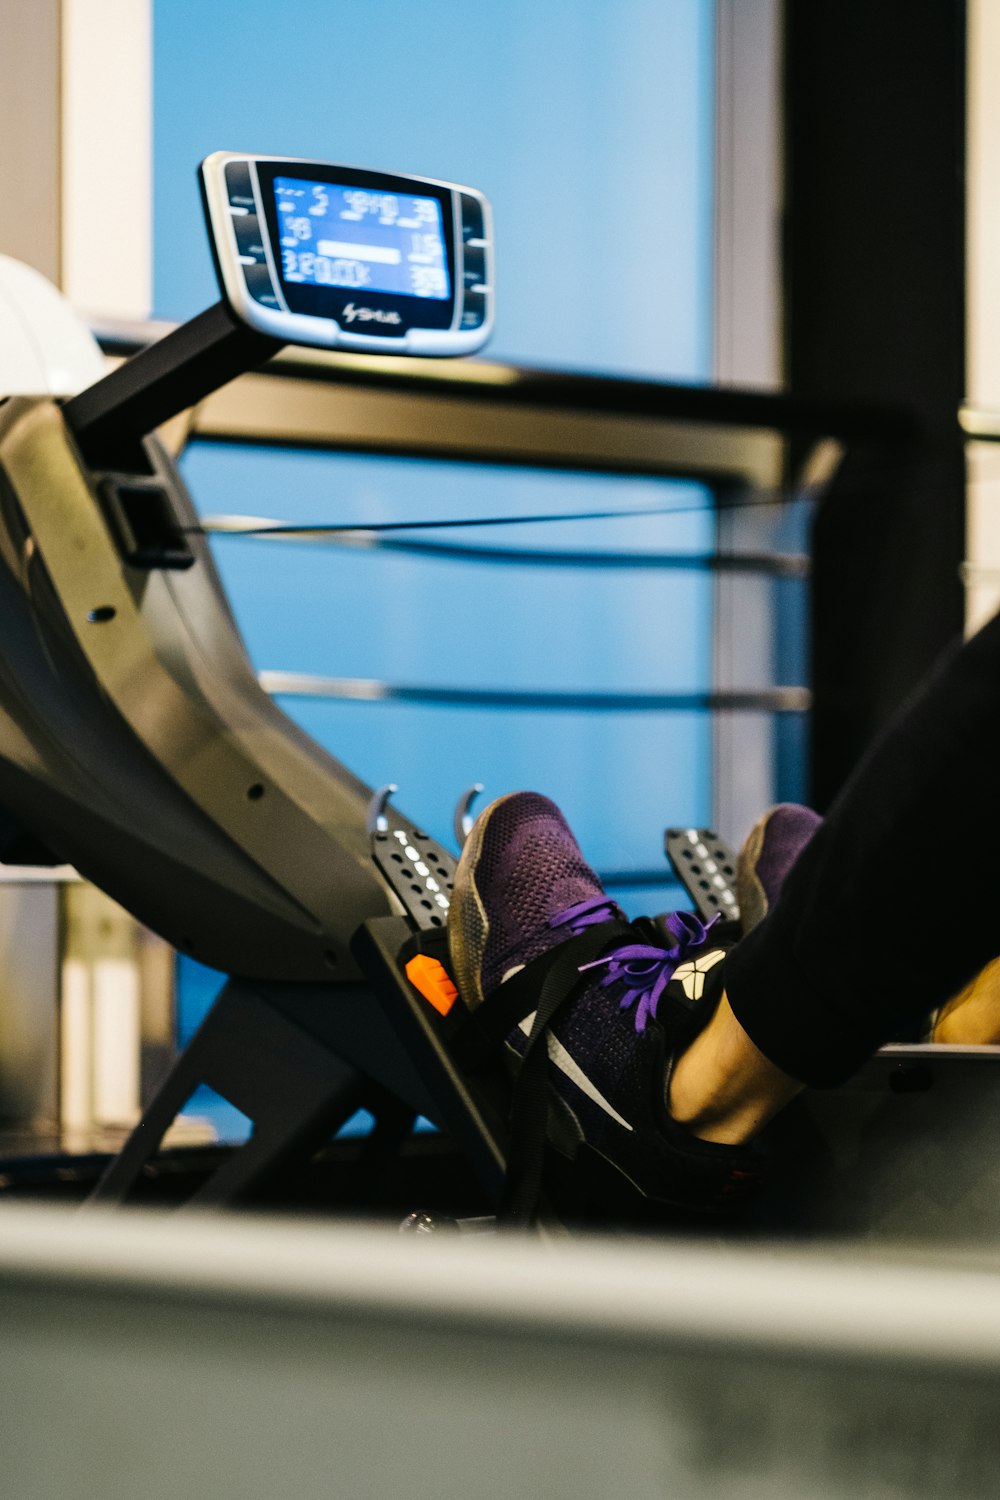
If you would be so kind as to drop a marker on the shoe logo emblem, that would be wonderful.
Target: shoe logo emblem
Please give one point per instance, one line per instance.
(692, 975)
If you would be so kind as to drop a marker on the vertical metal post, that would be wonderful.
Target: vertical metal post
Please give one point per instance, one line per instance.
(747, 352)
(982, 597)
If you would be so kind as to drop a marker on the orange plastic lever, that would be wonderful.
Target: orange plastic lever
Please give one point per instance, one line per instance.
(430, 977)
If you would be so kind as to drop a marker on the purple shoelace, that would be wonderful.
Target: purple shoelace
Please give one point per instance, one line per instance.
(644, 969)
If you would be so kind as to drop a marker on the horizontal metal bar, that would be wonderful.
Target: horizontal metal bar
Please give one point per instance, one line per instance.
(633, 879)
(768, 564)
(539, 386)
(980, 424)
(979, 572)
(39, 875)
(756, 564)
(238, 525)
(476, 411)
(437, 422)
(793, 700)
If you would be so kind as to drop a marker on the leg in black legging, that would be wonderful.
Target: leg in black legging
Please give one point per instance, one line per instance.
(895, 903)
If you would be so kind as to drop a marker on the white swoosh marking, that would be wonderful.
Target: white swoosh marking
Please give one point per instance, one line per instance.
(568, 1065)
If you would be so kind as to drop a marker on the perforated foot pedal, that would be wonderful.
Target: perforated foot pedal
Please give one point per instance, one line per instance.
(417, 867)
(705, 865)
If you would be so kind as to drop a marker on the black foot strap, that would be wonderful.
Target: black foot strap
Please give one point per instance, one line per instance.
(544, 986)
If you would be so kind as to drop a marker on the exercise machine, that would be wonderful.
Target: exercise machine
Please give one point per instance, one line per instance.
(135, 740)
(137, 744)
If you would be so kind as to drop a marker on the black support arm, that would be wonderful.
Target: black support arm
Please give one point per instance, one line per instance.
(109, 419)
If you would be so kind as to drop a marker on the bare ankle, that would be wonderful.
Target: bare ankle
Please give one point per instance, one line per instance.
(723, 1087)
(972, 1017)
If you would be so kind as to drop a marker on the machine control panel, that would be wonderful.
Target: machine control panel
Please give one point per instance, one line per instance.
(344, 258)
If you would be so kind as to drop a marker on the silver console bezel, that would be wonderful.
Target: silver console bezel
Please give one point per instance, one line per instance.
(327, 333)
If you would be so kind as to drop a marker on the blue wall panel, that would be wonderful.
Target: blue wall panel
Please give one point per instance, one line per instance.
(590, 126)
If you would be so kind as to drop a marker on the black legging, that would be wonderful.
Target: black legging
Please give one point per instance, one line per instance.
(895, 903)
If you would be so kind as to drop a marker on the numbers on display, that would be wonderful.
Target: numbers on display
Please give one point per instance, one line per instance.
(339, 236)
(305, 265)
(428, 281)
(362, 204)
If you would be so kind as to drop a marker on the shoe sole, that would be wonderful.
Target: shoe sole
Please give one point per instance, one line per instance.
(468, 925)
(590, 1188)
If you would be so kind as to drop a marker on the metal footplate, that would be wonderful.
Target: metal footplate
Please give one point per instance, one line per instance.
(705, 865)
(405, 961)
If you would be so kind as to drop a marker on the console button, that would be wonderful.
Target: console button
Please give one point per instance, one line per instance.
(260, 286)
(473, 310)
(239, 186)
(248, 238)
(472, 218)
(475, 265)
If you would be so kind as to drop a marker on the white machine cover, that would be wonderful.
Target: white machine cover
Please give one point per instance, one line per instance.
(45, 347)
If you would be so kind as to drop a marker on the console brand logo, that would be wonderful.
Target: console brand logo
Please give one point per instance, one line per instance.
(369, 315)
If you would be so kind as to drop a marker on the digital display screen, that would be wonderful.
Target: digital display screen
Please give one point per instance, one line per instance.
(361, 239)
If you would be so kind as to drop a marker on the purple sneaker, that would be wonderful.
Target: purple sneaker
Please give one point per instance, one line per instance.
(772, 846)
(588, 1010)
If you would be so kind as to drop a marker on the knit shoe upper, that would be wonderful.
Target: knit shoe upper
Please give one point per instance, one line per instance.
(771, 849)
(520, 866)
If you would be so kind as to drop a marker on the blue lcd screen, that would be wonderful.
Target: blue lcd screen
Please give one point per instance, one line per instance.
(361, 238)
